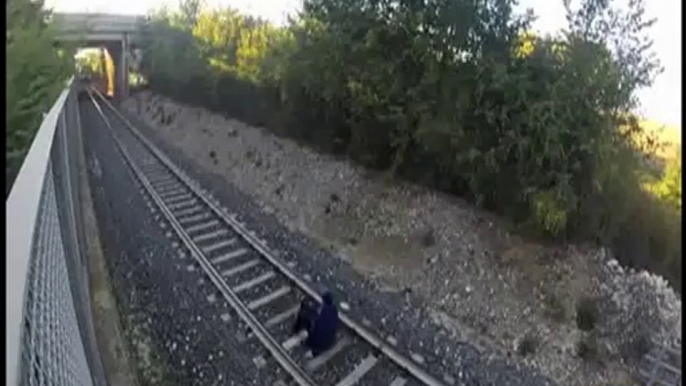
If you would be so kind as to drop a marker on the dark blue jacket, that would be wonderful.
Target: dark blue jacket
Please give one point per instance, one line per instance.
(307, 315)
(322, 336)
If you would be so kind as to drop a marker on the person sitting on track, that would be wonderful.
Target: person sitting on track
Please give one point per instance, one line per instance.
(322, 334)
(307, 315)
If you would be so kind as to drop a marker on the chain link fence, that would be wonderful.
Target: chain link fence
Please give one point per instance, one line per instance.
(49, 327)
(662, 366)
(52, 349)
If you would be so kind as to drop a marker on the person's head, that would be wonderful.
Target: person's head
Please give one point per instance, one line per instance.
(327, 298)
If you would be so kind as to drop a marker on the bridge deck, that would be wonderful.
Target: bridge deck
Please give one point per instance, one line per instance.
(84, 23)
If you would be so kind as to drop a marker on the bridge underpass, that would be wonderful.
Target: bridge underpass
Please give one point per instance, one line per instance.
(183, 269)
(116, 33)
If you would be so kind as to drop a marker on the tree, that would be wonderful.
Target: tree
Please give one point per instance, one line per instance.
(189, 12)
(36, 72)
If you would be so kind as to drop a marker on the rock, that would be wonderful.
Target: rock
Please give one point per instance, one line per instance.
(417, 358)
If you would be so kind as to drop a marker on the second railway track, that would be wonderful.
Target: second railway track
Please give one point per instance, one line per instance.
(262, 290)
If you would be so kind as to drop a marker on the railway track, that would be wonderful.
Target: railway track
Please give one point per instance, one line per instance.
(262, 291)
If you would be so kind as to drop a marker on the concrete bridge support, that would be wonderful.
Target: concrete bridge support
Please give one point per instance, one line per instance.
(119, 52)
(114, 32)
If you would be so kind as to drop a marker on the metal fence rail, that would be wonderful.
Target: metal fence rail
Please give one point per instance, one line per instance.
(49, 333)
(52, 350)
(662, 366)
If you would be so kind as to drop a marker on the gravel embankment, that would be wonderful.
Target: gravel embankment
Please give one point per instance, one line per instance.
(427, 268)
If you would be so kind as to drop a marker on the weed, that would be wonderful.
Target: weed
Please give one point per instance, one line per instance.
(279, 190)
(528, 345)
(555, 308)
(587, 349)
(429, 238)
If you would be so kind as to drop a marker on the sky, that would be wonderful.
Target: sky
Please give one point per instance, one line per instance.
(661, 102)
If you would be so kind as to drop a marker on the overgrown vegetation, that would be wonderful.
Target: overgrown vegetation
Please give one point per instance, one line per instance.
(36, 73)
(458, 95)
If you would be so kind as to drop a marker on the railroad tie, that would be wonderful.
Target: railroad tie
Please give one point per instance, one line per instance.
(172, 193)
(294, 340)
(318, 361)
(203, 226)
(229, 256)
(282, 316)
(209, 236)
(195, 218)
(165, 186)
(219, 245)
(255, 304)
(160, 179)
(152, 168)
(182, 204)
(243, 267)
(188, 211)
(169, 189)
(359, 371)
(253, 282)
(178, 197)
(155, 170)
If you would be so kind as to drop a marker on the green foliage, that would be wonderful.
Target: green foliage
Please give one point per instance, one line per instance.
(454, 94)
(36, 72)
(668, 187)
(549, 212)
(91, 62)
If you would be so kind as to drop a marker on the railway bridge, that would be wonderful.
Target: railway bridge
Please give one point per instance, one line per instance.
(116, 33)
(230, 294)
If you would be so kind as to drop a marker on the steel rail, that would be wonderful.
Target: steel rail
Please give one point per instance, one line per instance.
(274, 348)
